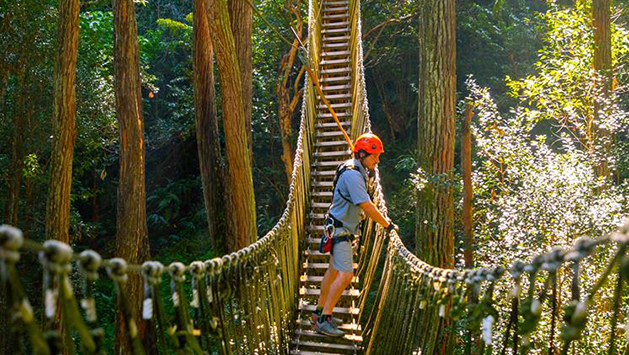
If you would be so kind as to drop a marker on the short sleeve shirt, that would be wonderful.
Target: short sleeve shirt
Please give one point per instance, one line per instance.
(352, 184)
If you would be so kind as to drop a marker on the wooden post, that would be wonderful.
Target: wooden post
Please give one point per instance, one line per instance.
(468, 188)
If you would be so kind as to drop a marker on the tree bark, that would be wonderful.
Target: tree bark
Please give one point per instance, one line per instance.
(241, 201)
(436, 139)
(208, 146)
(64, 132)
(12, 206)
(132, 235)
(241, 16)
(286, 103)
(468, 188)
(436, 132)
(601, 13)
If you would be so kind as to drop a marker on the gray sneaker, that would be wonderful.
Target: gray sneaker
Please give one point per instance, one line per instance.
(328, 328)
(314, 317)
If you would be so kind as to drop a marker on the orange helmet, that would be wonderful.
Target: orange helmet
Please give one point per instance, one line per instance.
(370, 143)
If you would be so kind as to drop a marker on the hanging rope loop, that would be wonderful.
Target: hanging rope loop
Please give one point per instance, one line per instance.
(117, 270)
(11, 240)
(89, 263)
(56, 257)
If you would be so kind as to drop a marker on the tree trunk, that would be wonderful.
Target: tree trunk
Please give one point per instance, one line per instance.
(468, 188)
(286, 104)
(436, 132)
(436, 139)
(240, 14)
(601, 12)
(132, 235)
(241, 201)
(64, 133)
(209, 149)
(12, 207)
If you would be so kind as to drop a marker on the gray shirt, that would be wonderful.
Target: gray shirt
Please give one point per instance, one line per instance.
(352, 185)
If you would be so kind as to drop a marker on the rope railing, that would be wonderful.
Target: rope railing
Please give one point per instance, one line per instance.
(241, 303)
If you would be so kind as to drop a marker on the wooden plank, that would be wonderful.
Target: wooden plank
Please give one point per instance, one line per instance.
(324, 345)
(318, 279)
(334, 79)
(328, 144)
(316, 292)
(308, 265)
(338, 310)
(334, 61)
(312, 334)
(332, 125)
(336, 24)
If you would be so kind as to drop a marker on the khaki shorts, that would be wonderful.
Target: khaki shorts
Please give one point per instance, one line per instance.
(342, 256)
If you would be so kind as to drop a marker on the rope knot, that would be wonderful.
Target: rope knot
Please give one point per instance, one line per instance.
(11, 240)
(553, 259)
(535, 264)
(117, 270)
(89, 262)
(582, 248)
(517, 268)
(495, 273)
(198, 269)
(177, 271)
(56, 256)
(152, 271)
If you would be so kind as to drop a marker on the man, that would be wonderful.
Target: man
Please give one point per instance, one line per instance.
(349, 202)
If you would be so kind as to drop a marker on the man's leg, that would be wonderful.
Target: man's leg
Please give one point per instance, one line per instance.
(328, 279)
(336, 290)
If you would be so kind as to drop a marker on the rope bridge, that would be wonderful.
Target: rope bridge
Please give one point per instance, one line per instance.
(258, 300)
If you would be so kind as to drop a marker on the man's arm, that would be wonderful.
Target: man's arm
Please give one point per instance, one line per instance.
(372, 212)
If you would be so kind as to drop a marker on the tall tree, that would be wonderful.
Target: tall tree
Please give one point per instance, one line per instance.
(131, 228)
(241, 16)
(601, 13)
(64, 132)
(286, 103)
(436, 132)
(467, 215)
(207, 127)
(241, 200)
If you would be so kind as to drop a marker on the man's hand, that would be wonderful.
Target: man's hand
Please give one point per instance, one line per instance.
(391, 227)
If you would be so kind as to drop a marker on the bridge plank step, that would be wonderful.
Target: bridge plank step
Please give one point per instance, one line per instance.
(316, 292)
(336, 24)
(336, 153)
(335, 30)
(324, 345)
(319, 205)
(328, 144)
(332, 124)
(303, 352)
(329, 163)
(336, 16)
(338, 114)
(335, 71)
(338, 310)
(338, 8)
(334, 54)
(317, 215)
(335, 79)
(308, 265)
(336, 97)
(322, 193)
(321, 184)
(318, 279)
(335, 3)
(312, 334)
(336, 45)
(330, 134)
(335, 38)
(336, 87)
(327, 62)
(335, 106)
